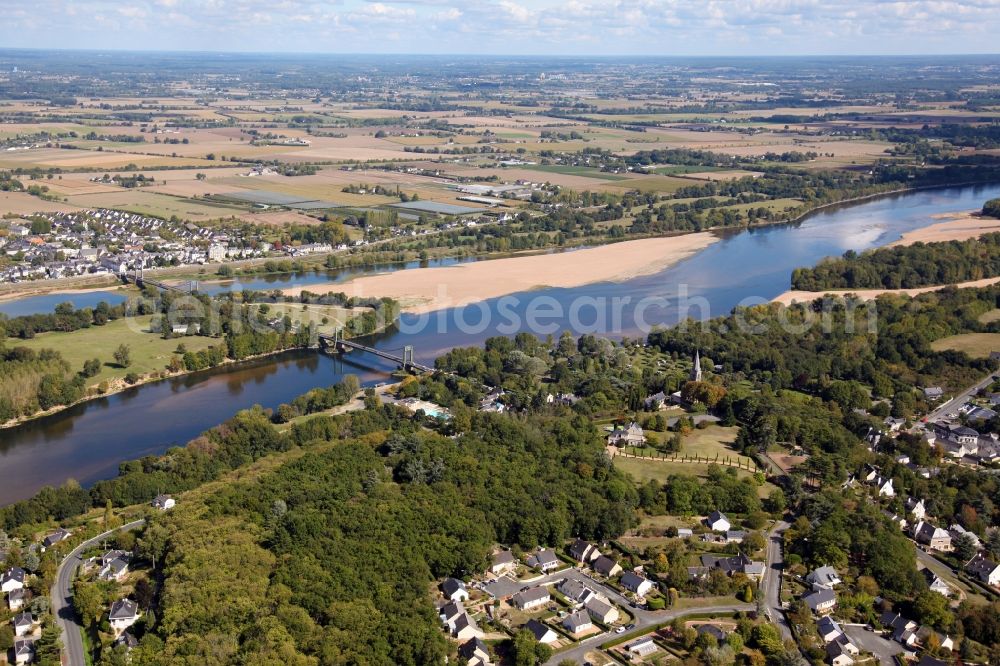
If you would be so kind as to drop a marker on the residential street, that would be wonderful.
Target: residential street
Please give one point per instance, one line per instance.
(62, 597)
(771, 585)
(959, 400)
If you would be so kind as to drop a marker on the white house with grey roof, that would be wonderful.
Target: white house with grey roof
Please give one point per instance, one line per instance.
(124, 613)
(454, 589)
(12, 579)
(821, 601)
(531, 598)
(23, 623)
(545, 560)
(578, 622)
(633, 582)
(824, 577)
(717, 522)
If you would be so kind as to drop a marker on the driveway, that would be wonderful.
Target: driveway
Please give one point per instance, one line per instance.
(868, 641)
(62, 597)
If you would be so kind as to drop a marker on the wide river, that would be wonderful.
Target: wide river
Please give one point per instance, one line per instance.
(87, 442)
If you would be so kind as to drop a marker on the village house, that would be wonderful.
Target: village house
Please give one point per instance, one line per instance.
(16, 599)
(739, 563)
(124, 613)
(630, 435)
(583, 551)
(825, 577)
(24, 652)
(127, 640)
(841, 652)
(531, 598)
(828, 629)
(165, 502)
(935, 583)
(475, 652)
(116, 569)
(983, 569)
(454, 590)
(464, 627)
(23, 623)
(821, 601)
(636, 584)
(503, 562)
(717, 522)
(542, 633)
(602, 610)
(54, 538)
(544, 560)
(957, 531)
(576, 591)
(578, 622)
(606, 566)
(450, 612)
(933, 537)
(915, 507)
(12, 579)
(655, 402)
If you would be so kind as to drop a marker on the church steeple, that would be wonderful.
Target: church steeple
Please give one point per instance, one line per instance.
(696, 370)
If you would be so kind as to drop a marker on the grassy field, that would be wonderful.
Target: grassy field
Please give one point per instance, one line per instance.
(658, 470)
(714, 441)
(157, 205)
(976, 345)
(336, 316)
(991, 316)
(587, 172)
(150, 353)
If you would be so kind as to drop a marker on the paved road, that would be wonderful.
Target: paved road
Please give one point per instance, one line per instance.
(643, 620)
(959, 400)
(62, 597)
(771, 583)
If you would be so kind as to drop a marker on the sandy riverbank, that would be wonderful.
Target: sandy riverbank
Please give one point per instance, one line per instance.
(422, 290)
(793, 295)
(951, 226)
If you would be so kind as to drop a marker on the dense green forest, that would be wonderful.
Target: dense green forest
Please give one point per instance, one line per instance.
(330, 556)
(906, 267)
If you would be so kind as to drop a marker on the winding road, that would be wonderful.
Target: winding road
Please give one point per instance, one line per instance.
(62, 597)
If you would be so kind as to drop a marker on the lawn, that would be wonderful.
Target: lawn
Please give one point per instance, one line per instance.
(976, 345)
(713, 441)
(149, 352)
(658, 470)
(336, 316)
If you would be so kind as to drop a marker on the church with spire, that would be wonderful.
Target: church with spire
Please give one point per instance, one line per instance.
(696, 370)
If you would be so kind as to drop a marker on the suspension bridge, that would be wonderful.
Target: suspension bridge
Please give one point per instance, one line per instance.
(136, 277)
(406, 360)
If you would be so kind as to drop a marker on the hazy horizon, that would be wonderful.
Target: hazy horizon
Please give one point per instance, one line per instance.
(617, 28)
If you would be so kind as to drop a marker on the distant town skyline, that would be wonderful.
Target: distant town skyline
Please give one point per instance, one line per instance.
(510, 27)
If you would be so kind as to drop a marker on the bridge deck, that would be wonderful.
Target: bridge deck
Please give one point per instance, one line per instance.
(377, 352)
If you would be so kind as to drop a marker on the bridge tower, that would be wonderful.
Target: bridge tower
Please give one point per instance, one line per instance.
(407, 356)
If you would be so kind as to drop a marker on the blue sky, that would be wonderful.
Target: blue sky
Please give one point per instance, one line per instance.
(598, 27)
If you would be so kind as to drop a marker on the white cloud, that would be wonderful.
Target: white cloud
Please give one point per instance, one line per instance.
(648, 27)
